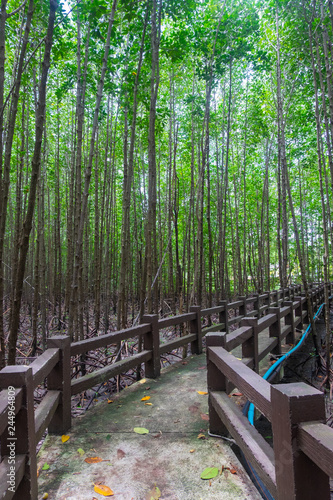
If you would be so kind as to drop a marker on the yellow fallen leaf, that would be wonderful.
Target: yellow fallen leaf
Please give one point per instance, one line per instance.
(64, 438)
(192, 451)
(149, 404)
(202, 392)
(45, 496)
(142, 381)
(154, 494)
(110, 401)
(201, 436)
(145, 398)
(103, 490)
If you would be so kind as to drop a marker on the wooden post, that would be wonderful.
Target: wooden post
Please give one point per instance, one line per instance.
(250, 347)
(298, 311)
(151, 342)
(224, 315)
(242, 308)
(256, 305)
(195, 327)
(275, 329)
(216, 381)
(297, 477)
(289, 320)
(60, 380)
(20, 438)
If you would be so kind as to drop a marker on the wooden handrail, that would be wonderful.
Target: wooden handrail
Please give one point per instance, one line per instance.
(54, 412)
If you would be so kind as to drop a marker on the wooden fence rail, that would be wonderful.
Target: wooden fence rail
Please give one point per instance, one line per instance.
(300, 464)
(21, 426)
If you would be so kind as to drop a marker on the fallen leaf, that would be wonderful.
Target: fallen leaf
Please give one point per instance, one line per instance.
(192, 451)
(93, 460)
(103, 490)
(201, 436)
(202, 368)
(140, 430)
(204, 416)
(145, 398)
(120, 454)
(148, 404)
(64, 438)
(110, 401)
(154, 494)
(81, 452)
(108, 437)
(142, 381)
(233, 471)
(45, 466)
(209, 473)
(45, 496)
(237, 394)
(202, 392)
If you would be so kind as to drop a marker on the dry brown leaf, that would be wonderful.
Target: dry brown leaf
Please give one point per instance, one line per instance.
(103, 490)
(120, 454)
(204, 416)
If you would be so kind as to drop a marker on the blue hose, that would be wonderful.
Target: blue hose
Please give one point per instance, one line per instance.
(250, 412)
(269, 372)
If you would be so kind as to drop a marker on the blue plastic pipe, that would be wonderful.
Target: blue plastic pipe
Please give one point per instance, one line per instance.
(269, 372)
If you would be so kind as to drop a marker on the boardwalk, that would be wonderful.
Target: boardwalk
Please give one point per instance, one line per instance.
(135, 463)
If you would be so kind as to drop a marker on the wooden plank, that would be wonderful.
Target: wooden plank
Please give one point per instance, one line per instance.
(103, 374)
(175, 320)
(174, 344)
(235, 305)
(3, 407)
(211, 310)
(235, 319)
(257, 451)
(254, 387)
(219, 327)
(237, 337)
(5, 493)
(266, 346)
(266, 321)
(42, 366)
(111, 338)
(45, 412)
(284, 311)
(316, 441)
(284, 331)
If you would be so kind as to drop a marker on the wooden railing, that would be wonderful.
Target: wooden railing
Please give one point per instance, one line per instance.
(300, 464)
(21, 426)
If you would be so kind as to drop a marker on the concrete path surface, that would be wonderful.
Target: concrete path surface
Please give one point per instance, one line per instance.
(170, 457)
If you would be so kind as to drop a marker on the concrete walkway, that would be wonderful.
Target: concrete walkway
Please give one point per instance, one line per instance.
(170, 456)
